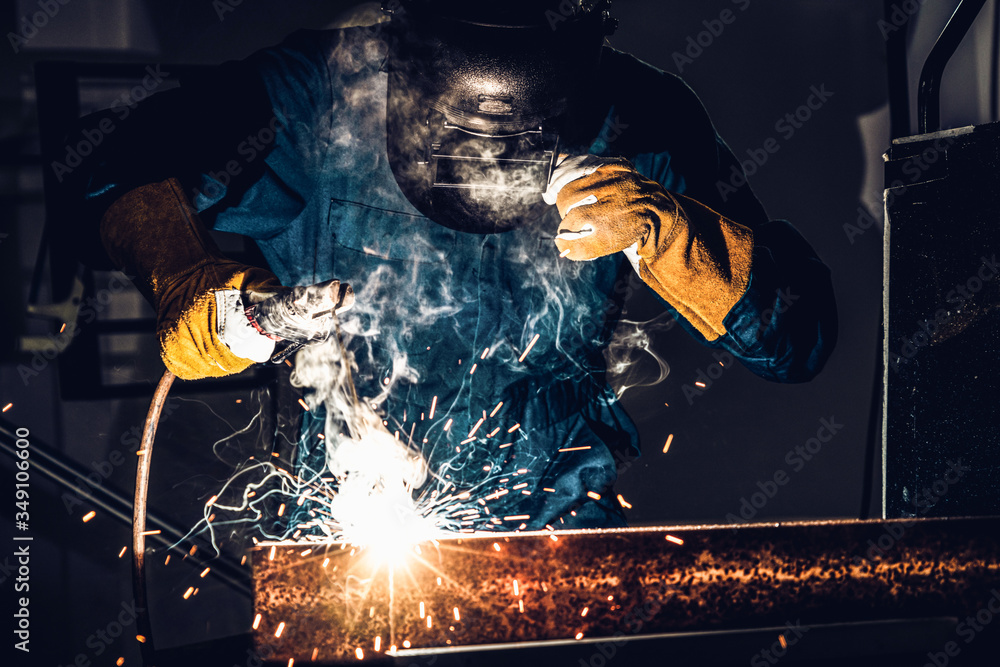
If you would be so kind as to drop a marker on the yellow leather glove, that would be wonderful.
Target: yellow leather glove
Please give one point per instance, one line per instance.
(696, 259)
(154, 234)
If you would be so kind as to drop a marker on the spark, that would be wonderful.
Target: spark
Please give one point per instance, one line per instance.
(447, 424)
(360, 653)
(204, 573)
(303, 404)
(565, 252)
(434, 402)
(256, 621)
(476, 427)
(584, 612)
(8, 407)
(120, 661)
(519, 486)
(62, 328)
(782, 641)
(167, 561)
(496, 546)
(670, 439)
(188, 592)
(517, 592)
(291, 662)
(270, 555)
(493, 432)
(473, 369)
(485, 352)
(122, 552)
(520, 606)
(457, 618)
(548, 490)
(423, 612)
(141, 639)
(595, 496)
(579, 635)
(281, 509)
(378, 643)
(281, 628)
(675, 540)
(517, 517)
(89, 515)
(700, 384)
(574, 449)
(406, 643)
(428, 621)
(326, 561)
(624, 503)
(528, 349)
(514, 428)
(211, 501)
(497, 408)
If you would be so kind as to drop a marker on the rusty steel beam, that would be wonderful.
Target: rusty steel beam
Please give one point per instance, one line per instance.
(336, 603)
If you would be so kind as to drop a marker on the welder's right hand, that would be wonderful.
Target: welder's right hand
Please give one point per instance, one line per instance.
(154, 235)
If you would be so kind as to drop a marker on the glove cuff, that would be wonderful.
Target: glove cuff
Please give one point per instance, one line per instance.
(700, 265)
(153, 234)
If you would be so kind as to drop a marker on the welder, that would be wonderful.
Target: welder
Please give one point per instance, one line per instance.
(486, 176)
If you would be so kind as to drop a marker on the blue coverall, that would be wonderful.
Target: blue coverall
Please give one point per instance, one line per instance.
(443, 317)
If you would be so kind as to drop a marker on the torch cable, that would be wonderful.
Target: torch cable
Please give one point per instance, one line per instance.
(139, 518)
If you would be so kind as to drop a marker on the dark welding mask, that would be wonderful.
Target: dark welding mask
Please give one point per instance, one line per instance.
(477, 95)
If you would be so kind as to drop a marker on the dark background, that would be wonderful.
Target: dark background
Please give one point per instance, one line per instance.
(724, 441)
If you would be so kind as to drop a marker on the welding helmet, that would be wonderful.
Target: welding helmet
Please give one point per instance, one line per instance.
(477, 95)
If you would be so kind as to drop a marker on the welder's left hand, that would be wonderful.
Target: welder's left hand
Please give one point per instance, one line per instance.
(696, 259)
(606, 207)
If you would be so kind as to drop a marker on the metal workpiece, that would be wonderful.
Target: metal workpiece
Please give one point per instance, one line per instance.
(330, 602)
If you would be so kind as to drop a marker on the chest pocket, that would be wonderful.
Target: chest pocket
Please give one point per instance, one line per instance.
(368, 236)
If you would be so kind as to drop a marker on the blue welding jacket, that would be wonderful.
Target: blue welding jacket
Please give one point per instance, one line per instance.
(443, 318)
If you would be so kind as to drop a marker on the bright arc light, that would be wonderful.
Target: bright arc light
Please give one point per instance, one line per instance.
(374, 506)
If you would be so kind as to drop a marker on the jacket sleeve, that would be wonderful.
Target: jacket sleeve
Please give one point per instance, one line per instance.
(213, 134)
(783, 326)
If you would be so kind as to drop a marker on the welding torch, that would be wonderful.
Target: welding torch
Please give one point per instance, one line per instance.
(300, 316)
